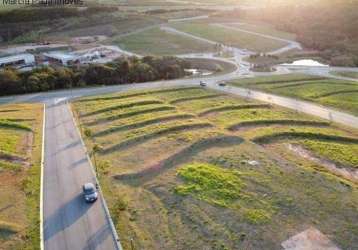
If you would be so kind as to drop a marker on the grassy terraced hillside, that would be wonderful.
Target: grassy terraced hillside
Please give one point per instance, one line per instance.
(190, 168)
(338, 94)
(20, 157)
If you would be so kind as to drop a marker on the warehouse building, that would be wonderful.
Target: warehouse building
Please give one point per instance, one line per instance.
(17, 61)
(61, 58)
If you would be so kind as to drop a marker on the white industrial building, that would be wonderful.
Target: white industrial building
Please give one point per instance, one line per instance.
(18, 61)
(61, 58)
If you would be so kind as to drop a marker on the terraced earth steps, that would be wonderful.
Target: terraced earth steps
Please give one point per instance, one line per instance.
(8, 229)
(9, 110)
(138, 94)
(180, 157)
(333, 167)
(258, 123)
(13, 125)
(278, 194)
(11, 157)
(144, 124)
(233, 107)
(131, 114)
(303, 135)
(187, 99)
(307, 83)
(141, 139)
(335, 93)
(292, 80)
(123, 106)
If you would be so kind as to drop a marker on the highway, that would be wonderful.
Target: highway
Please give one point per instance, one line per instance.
(68, 222)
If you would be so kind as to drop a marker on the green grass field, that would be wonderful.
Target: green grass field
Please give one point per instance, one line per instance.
(346, 74)
(158, 42)
(229, 36)
(338, 94)
(20, 156)
(265, 29)
(208, 170)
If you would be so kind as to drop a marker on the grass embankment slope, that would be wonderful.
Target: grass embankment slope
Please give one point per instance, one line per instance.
(191, 168)
(229, 36)
(20, 159)
(338, 94)
(158, 42)
(349, 74)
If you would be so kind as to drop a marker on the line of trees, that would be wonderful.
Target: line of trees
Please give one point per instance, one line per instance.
(120, 71)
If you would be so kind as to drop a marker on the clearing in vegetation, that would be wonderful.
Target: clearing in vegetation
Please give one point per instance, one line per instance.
(20, 158)
(159, 42)
(338, 94)
(201, 176)
(229, 36)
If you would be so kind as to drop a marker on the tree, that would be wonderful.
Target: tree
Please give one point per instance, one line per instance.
(10, 82)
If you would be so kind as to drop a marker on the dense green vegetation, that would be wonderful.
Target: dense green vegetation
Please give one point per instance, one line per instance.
(123, 70)
(210, 183)
(336, 93)
(182, 170)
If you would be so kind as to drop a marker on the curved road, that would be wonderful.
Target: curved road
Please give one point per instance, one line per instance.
(71, 224)
(68, 222)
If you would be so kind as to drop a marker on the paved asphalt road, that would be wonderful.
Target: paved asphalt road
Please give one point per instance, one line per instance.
(69, 222)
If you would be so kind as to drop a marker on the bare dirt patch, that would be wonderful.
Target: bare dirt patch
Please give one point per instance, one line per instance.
(335, 168)
(311, 239)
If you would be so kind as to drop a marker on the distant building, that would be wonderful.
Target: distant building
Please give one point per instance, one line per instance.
(61, 58)
(18, 61)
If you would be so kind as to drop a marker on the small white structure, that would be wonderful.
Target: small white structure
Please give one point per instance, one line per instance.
(20, 60)
(61, 58)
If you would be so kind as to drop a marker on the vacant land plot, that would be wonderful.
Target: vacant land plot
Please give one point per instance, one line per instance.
(349, 74)
(263, 28)
(158, 42)
(229, 36)
(189, 168)
(20, 156)
(335, 93)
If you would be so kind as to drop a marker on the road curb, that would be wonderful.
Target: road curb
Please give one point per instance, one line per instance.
(105, 207)
(42, 178)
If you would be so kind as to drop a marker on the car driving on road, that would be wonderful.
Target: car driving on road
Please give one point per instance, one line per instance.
(202, 84)
(222, 84)
(90, 192)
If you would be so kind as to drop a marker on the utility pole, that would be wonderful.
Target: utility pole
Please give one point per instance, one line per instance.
(95, 149)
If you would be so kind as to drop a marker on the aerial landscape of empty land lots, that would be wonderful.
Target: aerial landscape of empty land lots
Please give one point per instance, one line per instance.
(174, 124)
(206, 169)
(20, 155)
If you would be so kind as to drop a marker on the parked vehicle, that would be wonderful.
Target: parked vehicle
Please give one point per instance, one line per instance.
(90, 192)
(202, 84)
